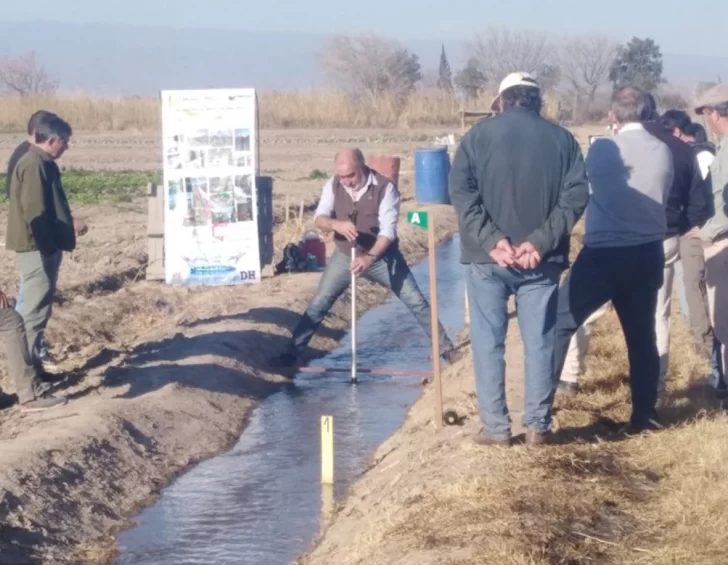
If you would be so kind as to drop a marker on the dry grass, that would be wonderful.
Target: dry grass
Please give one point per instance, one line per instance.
(597, 498)
(660, 498)
(293, 109)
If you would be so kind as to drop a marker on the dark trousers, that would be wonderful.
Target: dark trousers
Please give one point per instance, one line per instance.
(630, 277)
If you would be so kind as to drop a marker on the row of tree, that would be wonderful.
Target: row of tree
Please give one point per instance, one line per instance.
(577, 68)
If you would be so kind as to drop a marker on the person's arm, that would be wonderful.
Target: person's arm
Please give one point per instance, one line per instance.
(388, 218)
(697, 202)
(468, 203)
(34, 188)
(323, 217)
(572, 202)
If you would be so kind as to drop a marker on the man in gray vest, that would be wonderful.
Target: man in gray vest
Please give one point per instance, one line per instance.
(361, 207)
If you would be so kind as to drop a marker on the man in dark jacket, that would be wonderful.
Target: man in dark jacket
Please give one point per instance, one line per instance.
(40, 228)
(688, 208)
(22, 149)
(518, 185)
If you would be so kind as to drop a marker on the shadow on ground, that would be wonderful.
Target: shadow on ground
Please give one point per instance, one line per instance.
(195, 361)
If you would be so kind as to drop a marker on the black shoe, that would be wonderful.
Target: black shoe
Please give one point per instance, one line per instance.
(48, 363)
(53, 378)
(567, 388)
(641, 427)
(452, 356)
(283, 361)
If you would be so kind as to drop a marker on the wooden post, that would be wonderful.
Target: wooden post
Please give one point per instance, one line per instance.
(327, 450)
(434, 321)
(467, 307)
(300, 214)
(353, 319)
(287, 210)
(155, 232)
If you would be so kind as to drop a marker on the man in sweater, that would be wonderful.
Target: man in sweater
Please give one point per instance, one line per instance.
(33, 394)
(361, 207)
(713, 105)
(40, 227)
(687, 209)
(622, 260)
(518, 186)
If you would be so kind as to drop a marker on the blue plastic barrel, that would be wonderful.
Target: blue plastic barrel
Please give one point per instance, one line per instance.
(432, 169)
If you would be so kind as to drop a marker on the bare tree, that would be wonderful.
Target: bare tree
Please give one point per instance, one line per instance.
(370, 66)
(499, 51)
(585, 63)
(24, 76)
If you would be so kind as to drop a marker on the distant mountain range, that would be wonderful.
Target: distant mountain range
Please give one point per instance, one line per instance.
(127, 60)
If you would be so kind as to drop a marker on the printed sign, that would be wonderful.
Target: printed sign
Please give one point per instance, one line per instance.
(417, 219)
(210, 164)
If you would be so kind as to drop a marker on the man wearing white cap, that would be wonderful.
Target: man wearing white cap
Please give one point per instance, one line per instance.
(713, 105)
(518, 184)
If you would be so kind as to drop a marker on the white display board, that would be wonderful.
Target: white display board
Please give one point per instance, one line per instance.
(210, 142)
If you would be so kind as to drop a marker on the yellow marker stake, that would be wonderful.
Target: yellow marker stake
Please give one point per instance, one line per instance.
(327, 450)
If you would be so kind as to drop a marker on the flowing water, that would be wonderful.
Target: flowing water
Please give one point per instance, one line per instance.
(261, 501)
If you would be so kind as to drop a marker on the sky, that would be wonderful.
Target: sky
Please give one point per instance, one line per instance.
(697, 27)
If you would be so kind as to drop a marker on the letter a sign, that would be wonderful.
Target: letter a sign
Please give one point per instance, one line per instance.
(418, 219)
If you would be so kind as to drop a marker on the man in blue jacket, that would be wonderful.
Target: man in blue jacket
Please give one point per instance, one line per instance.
(518, 184)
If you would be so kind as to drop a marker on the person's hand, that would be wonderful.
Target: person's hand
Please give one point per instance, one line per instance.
(346, 229)
(361, 264)
(693, 232)
(503, 254)
(4, 301)
(80, 227)
(527, 256)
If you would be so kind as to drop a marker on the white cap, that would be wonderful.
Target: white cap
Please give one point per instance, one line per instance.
(513, 79)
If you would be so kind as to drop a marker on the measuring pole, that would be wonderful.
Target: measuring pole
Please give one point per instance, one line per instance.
(353, 318)
(434, 321)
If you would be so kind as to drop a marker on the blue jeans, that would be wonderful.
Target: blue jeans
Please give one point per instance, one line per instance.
(489, 288)
(391, 271)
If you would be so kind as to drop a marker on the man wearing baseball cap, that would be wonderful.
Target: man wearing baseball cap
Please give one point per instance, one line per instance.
(713, 106)
(518, 185)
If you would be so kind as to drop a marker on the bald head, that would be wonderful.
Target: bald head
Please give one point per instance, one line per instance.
(350, 167)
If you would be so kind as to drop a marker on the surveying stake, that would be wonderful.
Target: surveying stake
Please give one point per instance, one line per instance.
(353, 318)
(422, 219)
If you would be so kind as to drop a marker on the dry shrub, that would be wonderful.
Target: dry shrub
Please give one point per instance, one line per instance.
(278, 109)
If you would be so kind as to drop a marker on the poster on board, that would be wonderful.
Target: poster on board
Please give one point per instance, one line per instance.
(210, 144)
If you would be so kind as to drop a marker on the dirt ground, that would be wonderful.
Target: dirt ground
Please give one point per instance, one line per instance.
(160, 376)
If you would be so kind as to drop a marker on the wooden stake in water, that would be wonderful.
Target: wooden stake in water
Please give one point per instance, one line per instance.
(434, 320)
(327, 450)
(353, 319)
(467, 308)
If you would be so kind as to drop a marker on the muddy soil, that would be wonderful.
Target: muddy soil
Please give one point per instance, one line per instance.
(159, 377)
